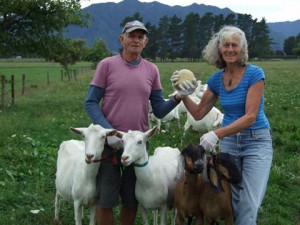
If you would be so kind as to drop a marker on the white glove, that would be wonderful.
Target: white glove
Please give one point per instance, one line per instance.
(209, 141)
(189, 88)
(186, 88)
(115, 142)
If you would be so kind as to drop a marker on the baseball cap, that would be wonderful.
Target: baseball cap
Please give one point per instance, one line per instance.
(134, 25)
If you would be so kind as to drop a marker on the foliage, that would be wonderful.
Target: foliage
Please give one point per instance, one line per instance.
(98, 52)
(190, 32)
(32, 129)
(31, 28)
(67, 51)
(135, 16)
(292, 45)
(175, 38)
(163, 38)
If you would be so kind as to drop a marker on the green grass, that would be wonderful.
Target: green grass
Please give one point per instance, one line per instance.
(32, 129)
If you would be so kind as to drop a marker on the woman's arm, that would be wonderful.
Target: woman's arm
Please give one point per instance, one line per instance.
(200, 110)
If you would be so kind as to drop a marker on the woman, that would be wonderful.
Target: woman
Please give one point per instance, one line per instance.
(245, 132)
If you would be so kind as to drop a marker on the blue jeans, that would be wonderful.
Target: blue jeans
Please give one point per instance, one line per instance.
(253, 153)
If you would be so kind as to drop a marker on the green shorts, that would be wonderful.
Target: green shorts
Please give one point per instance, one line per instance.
(115, 181)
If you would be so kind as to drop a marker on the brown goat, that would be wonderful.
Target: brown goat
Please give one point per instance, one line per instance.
(215, 200)
(186, 192)
(199, 197)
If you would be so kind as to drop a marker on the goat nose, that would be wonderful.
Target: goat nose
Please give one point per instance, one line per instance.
(89, 156)
(124, 158)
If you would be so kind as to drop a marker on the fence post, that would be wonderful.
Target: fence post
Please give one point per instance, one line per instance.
(75, 74)
(12, 80)
(62, 75)
(3, 92)
(23, 84)
(48, 80)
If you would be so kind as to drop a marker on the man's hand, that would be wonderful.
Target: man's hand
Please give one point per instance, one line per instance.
(209, 141)
(115, 142)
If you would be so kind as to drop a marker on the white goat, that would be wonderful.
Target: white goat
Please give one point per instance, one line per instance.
(155, 175)
(181, 106)
(77, 167)
(201, 88)
(210, 122)
(172, 115)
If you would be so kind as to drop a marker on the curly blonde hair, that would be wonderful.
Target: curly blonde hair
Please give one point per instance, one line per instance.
(211, 52)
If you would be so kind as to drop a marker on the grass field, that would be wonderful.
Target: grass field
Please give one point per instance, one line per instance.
(32, 128)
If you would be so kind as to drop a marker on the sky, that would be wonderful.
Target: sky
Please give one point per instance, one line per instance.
(271, 10)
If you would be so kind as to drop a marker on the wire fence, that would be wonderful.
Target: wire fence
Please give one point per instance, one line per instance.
(9, 89)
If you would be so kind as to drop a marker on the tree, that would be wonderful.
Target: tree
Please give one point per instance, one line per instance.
(292, 45)
(206, 28)
(230, 19)
(127, 19)
(259, 42)
(289, 44)
(245, 23)
(296, 49)
(151, 48)
(27, 27)
(219, 22)
(163, 37)
(98, 52)
(175, 37)
(190, 33)
(67, 51)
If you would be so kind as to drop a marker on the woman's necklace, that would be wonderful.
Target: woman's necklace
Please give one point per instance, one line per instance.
(237, 73)
(229, 82)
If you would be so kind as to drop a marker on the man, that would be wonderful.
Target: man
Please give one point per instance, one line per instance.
(125, 83)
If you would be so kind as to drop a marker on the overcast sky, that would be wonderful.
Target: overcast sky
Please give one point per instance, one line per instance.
(271, 10)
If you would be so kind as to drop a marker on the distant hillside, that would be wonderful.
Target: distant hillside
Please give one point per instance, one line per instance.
(282, 30)
(107, 18)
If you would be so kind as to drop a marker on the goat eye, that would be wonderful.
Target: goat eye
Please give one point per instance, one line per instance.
(139, 142)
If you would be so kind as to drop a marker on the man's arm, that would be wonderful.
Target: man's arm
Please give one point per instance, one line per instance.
(91, 106)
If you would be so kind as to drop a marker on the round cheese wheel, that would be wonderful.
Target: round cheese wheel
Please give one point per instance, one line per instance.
(185, 74)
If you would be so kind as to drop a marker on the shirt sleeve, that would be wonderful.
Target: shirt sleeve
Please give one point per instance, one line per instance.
(91, 105)
(160, 106)
(256, 75)
(214, 82)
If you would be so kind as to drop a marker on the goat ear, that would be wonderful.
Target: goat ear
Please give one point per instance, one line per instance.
(111, 132)
(76, 130)
(228, 168)
(151, 132)
(119, 134)
(215, 180)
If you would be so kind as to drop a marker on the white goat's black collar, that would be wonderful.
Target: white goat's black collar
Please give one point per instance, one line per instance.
(141, 165)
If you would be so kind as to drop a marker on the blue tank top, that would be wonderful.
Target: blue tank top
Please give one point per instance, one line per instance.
(233, 101)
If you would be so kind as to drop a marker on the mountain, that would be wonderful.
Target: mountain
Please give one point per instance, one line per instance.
(281, 31)
(108, 16)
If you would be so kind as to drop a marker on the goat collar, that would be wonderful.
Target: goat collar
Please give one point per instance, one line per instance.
(113, 161)
(141, 165)
(93, 161)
